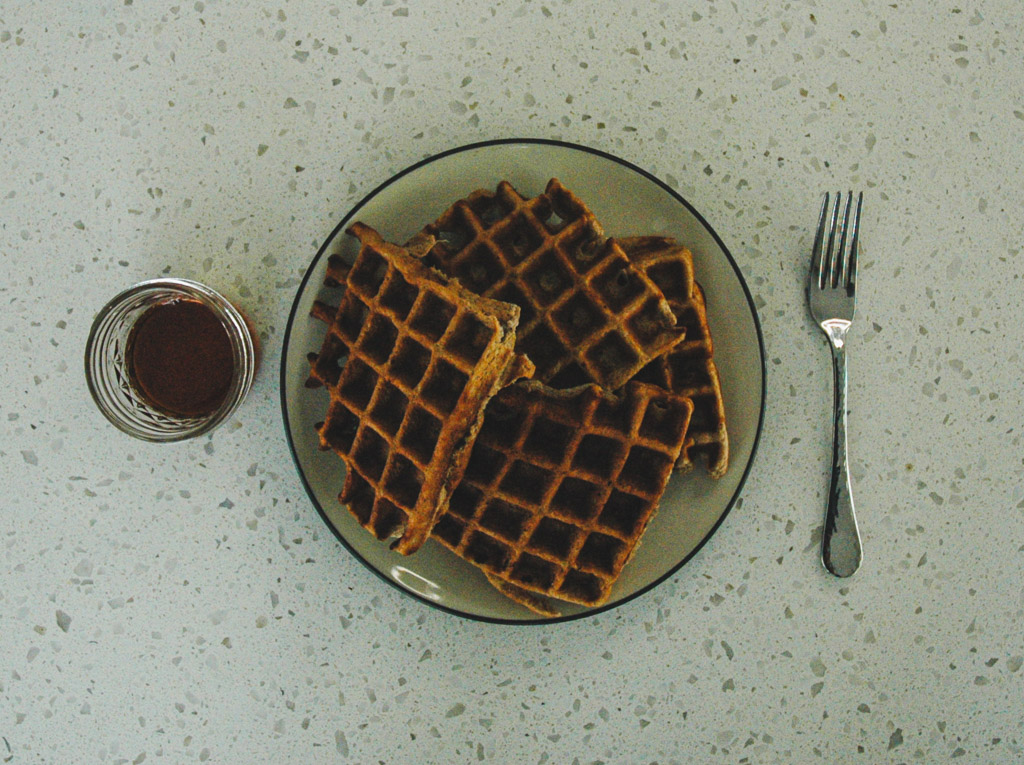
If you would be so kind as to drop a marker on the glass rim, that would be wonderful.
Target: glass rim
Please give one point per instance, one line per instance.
(239, 334)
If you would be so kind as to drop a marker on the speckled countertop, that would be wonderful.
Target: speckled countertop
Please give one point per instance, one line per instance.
(185, 603)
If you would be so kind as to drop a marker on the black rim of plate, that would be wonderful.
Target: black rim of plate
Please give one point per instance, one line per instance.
(284, 370)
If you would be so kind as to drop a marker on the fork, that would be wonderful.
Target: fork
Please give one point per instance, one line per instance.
(832, 297)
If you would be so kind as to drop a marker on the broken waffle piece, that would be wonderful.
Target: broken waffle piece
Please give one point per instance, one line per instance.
(409, 361)
(587, 314)
(689, 367)
(561, 485)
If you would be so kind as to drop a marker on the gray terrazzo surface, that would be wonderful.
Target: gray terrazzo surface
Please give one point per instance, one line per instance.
(185, 603)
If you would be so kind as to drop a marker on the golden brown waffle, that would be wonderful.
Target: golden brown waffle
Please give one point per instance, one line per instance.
(688, 368)
(587, 315)
(560, 486)
(410, 361)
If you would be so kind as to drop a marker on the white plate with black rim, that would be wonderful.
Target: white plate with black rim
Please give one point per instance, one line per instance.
(628, 202)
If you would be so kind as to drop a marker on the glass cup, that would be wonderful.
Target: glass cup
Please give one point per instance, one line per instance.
(107, 367)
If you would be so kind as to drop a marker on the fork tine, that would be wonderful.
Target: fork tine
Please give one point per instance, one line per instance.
(851, 279)
(817, 271)
(842, 259)
(830, 269)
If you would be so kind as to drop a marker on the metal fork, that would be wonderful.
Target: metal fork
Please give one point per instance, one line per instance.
(832, 296)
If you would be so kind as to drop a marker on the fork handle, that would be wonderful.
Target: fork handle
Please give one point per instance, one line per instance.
(840, 543)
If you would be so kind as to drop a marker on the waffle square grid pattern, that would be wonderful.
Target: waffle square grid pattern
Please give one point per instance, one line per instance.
(560, 486)
(689, 367)
(587, 314)
(409, 362)
(546, 485)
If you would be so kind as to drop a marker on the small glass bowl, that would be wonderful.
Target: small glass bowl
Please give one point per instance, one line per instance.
(107, 373)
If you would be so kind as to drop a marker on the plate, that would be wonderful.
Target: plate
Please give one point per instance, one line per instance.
(627, 201)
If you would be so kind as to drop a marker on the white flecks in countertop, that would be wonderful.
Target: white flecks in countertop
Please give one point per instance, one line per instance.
(185, 603)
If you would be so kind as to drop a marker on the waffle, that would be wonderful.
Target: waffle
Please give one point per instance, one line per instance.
(587, 315)
(409, 361)
(688, 368)
(560, 486)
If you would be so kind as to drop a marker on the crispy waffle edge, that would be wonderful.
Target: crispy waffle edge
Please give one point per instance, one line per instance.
(496, 366)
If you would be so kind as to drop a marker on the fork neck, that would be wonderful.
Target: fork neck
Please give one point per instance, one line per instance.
(836, 331)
